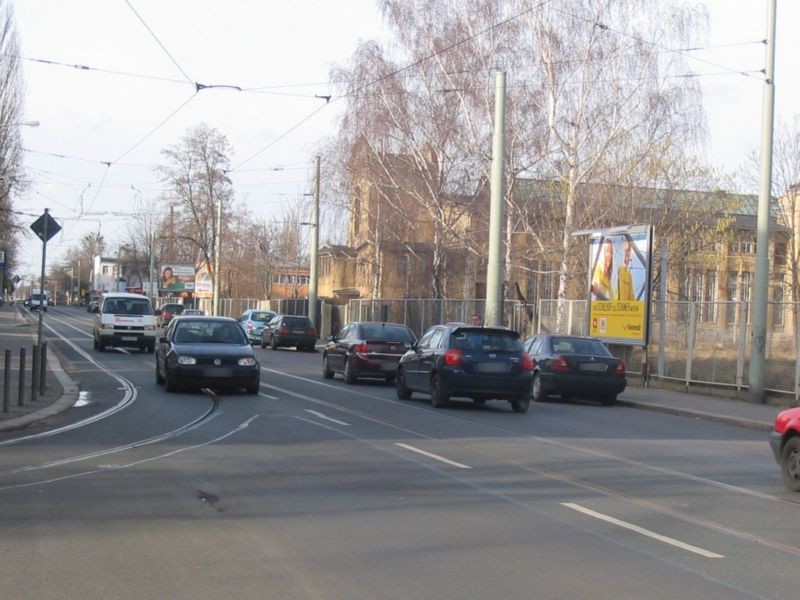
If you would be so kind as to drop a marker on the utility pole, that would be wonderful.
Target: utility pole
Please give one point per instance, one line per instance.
(312, 279)
(41, 280)
(79, 281)
(217, 247)
(758, 341)
(493, 315)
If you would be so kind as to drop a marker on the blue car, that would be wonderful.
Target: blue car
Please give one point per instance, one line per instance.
(252, 322)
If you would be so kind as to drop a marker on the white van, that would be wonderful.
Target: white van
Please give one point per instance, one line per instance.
(124, 320)
(37, 300)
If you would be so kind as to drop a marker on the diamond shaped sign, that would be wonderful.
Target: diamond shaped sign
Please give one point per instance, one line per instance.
(45, 223)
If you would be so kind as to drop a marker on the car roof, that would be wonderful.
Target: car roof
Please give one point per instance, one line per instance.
(123, 295)
(378, 323)
(207, 318)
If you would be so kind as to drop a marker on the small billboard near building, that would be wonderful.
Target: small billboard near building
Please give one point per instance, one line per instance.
(203, 283)
(176, 278)
(620, 272)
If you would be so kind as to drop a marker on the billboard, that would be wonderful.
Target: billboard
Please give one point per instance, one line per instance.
(620, 271)
(176, 278)
(203, 284)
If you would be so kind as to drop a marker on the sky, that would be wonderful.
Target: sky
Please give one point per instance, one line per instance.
(280, 54)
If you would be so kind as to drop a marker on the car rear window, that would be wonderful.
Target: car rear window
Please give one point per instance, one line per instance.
(296, 322)
(208, 332)
(579, 346)
(127, 306)
(393, 333)
(261, 317)
(482, 339)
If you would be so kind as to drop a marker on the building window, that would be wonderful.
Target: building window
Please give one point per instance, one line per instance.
(780, 254)
(105, 269)
(730, 316)
(777, 307)
(733, 247)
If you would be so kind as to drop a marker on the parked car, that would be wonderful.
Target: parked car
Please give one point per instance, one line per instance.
(785, 444)
(289, 330)
(365, 349)
(206, 352)
(481, 363)
(168, 311)
(571, 365)
(253, 321)
(124, 321)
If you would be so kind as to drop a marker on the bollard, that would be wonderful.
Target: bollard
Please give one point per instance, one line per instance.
(35, 372)
(7, 382)
(21, 391)
(43, 369)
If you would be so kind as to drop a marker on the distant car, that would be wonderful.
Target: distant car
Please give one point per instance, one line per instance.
(785, 443)
(253, 321)
(574, 366)
(124, 321)
(366, 349)
(208, 352)
(168, 311)
(93, 306)
(289, 330)
(481, 363)
(192, 312)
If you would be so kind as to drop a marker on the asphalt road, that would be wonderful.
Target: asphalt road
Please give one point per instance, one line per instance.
(317, 489)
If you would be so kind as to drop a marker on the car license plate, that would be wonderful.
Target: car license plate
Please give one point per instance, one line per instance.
(388, 367)
(129, 338)
(300, 331)
(218, 372)
(494, 367)
(592, 367)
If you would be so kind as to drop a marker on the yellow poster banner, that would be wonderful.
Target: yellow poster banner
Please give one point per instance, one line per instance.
(619, 320)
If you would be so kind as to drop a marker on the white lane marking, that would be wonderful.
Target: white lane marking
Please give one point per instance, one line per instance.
(433, 456)
(106, 468)
(267, 395)
(83, 399)
(643, 531)
(319, 415)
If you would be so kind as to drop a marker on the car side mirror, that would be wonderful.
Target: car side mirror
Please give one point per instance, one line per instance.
(409, 345)
(157, 312)
(330, 338)
(163, 340)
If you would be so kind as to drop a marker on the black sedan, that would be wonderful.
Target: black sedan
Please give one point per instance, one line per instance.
(482, 363)
(366, 349)
(208, 352)
(574, 366)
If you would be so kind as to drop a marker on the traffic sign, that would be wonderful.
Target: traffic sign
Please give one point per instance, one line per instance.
(45, 222)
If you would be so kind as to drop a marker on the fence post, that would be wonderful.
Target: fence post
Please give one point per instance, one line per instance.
(422, 327)
(740, 342)
(569, 317)
(690, 337)
(43, 367)
(35, 372)
(405, 312)
(7, 381)
(21, 390)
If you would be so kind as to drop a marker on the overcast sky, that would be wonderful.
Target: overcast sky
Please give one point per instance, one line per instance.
(285, 51)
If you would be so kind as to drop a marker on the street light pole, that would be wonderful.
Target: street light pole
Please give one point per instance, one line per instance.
(217, 274)
(313, 313)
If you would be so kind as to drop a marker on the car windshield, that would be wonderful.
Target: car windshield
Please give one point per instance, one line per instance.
(127, 306)
(483, 339)
(579, 346)
(382, 331)
(208, 332)
(175, 309)
(261, 317)
(296, 322)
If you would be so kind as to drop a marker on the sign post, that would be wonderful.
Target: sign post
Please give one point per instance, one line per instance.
(45, 227)
(2, 276)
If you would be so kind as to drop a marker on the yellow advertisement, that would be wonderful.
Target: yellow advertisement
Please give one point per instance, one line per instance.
(619, 284)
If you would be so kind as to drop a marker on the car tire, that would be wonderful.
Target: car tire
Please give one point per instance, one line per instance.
(479, 401)
(101, 347)
(349, 376)
(252, 390)
(521, 404)
(790, 463)
(389, 378)
(326, 370)
(169, 382)
(608, 399)
(537, 390)
(159, 378)
(94, 342)
(567, 396)
(151, 349)
(272, 343)
(311, 348)
(263, 343)
(438, 398)
(403, 393)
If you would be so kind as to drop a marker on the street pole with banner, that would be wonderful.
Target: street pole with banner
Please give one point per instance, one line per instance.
(45, 227)
(2, 276)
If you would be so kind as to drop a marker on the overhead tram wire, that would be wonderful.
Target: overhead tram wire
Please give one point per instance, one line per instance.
(146, 26)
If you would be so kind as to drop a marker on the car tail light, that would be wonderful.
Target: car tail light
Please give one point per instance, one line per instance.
(250, 326)
(620, 368)
(166, 314)
(452, 358)
(312, 332)
(527, 362)
(283, 331)
(559, 364)
(361, 348)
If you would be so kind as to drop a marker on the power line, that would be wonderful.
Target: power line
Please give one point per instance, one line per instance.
(146, 26)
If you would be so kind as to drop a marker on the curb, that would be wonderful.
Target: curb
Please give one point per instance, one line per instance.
(69, 396)
(699, 414)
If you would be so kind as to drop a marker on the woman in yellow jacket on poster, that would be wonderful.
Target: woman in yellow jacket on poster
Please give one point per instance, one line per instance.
(624, 277)
(601, 278)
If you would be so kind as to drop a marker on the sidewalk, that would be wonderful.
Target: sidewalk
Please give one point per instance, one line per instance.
(18, 330)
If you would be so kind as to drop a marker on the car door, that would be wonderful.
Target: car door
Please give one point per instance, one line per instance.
(412, 362)
(427, 360)
(338, 352)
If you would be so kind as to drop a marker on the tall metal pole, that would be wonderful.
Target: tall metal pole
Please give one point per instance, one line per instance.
(79, 281)
(662, 320)
(312, 279)
(761, 284)
(217, 247)
(494, 270)
(153, 289)
(41, 280)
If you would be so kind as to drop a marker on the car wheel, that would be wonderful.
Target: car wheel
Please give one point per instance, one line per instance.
(438, 398)
(326, 370)
(159, 378)
(263, 343)
(567, 396)
(608, 399)
(521, 404)
(390, 377)
(252, 390)
(537, 390)
(403, 393)
(101, 347)
(311, 348)
(94, 341)
(272, 343)
(349, 376)
(169, 382)
(479, 401)
(790, 463)
(151, 349)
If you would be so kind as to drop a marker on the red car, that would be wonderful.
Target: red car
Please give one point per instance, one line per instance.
(785, 444)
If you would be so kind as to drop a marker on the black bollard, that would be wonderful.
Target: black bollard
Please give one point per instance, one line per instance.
(7, 382)
(21, 391)
(43, 367)
(35, 372)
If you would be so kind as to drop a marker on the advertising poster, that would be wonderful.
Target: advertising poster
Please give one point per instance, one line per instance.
(203, 284)
(620, 264)
(176, 278)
